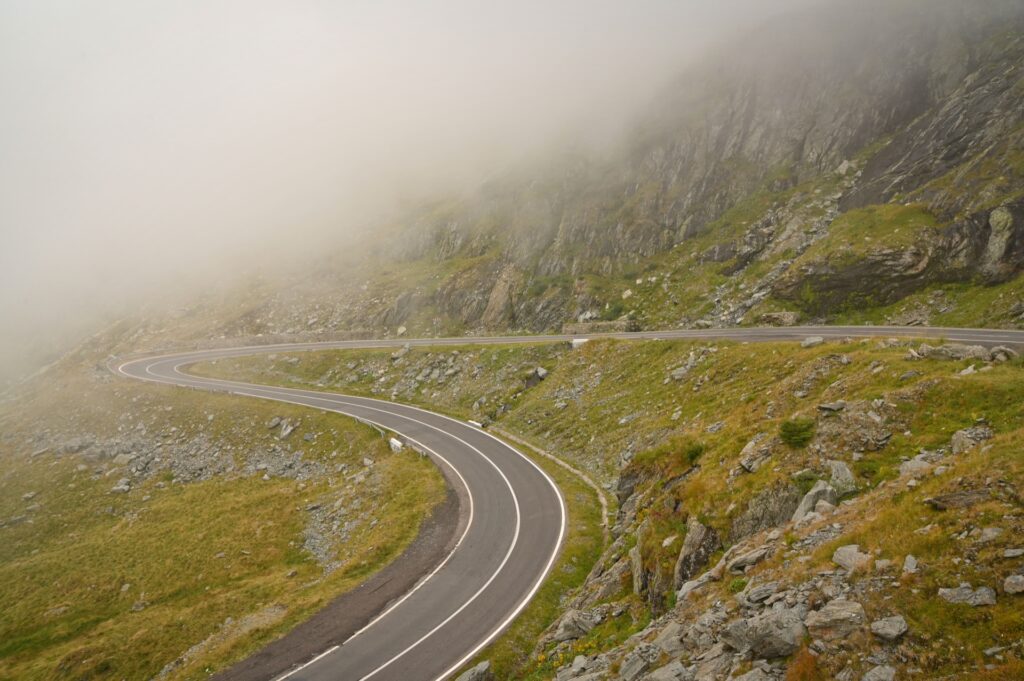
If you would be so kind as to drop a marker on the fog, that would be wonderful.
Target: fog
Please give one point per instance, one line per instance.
(164, 146)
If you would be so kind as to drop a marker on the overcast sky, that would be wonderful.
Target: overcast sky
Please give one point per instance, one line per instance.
(145, 142)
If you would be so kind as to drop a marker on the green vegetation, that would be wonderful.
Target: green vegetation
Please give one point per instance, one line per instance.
(797, 432)
(102, 585)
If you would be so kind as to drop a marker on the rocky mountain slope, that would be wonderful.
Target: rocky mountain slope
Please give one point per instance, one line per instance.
(846, 163)
(845, 510)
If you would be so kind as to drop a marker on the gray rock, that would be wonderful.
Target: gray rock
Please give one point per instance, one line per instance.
(889, 628)
(638, 661)
(842, 479)
(748, 558)
(755, 674)
(669, 639)
(673, 671)
(909, 565)
(123, 485)
(967, 595)
(700, 542)
(1014, 584)
(836, 620)
(770, 634)
(812, 341)
(481, 672)
(575, 623)
(770, 508)
(821, 490)
(915, 467)
(969, 438)
(274, 423)
(1013, 553)
(636, 566)
(832, 407)
(851, 557)
(880, 673)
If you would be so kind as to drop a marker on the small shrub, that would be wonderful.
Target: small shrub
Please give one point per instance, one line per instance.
(737, 585)
(693, 450)
(797, 432)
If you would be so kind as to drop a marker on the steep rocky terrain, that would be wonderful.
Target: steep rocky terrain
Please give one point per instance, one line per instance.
(779, 511)
(844, 163)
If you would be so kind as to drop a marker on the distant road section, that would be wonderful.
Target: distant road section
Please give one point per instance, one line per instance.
(513, 515)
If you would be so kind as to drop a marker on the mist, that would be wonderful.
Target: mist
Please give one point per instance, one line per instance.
(153, 148)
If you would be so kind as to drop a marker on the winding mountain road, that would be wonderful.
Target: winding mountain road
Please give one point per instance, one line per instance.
(514, 518)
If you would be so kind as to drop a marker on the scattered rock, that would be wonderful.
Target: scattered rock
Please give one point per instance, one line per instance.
(842, 479)
(967, 595)
(837, 619)
(481, 672)
(1014, 584)
(123, 485)
(850, 557)
(638, 661)
(821, 490)
(770, 634)
(812, 341)
(961, 499)
(880, 673)
(969, 438)
(889, 628)
(576, 623)
(749, 558)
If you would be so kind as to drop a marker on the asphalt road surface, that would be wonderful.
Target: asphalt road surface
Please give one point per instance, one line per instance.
(514, 516)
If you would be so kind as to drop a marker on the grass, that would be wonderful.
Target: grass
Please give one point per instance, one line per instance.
(102, 585)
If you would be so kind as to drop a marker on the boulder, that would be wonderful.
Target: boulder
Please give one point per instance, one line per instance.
(967, 595)
(851, 558)
(575, 623)
(1014, 584)
(812, 341)
(769, 508)
(842, 479)
(889, 628)
(909, 565)
(880, 673)
(969, 438)
(770, 634)
(836, 620)
(700, 542)
(780, 318)
(748, 558)
(673, 671)
(481, 672)
(755, 674)
(669, 639)
(915, 467)
(123, 485)
(638, 661)
(821, 490)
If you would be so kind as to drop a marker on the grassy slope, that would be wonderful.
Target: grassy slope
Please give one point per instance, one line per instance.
(618, 397)
(209, 560)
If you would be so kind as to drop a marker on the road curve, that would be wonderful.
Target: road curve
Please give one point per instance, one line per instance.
(513, 529)
(516, 517)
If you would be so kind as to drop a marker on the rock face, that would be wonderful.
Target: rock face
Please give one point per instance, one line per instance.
(967, 595)
(699, 544)
(769, 509)
(836, 620)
